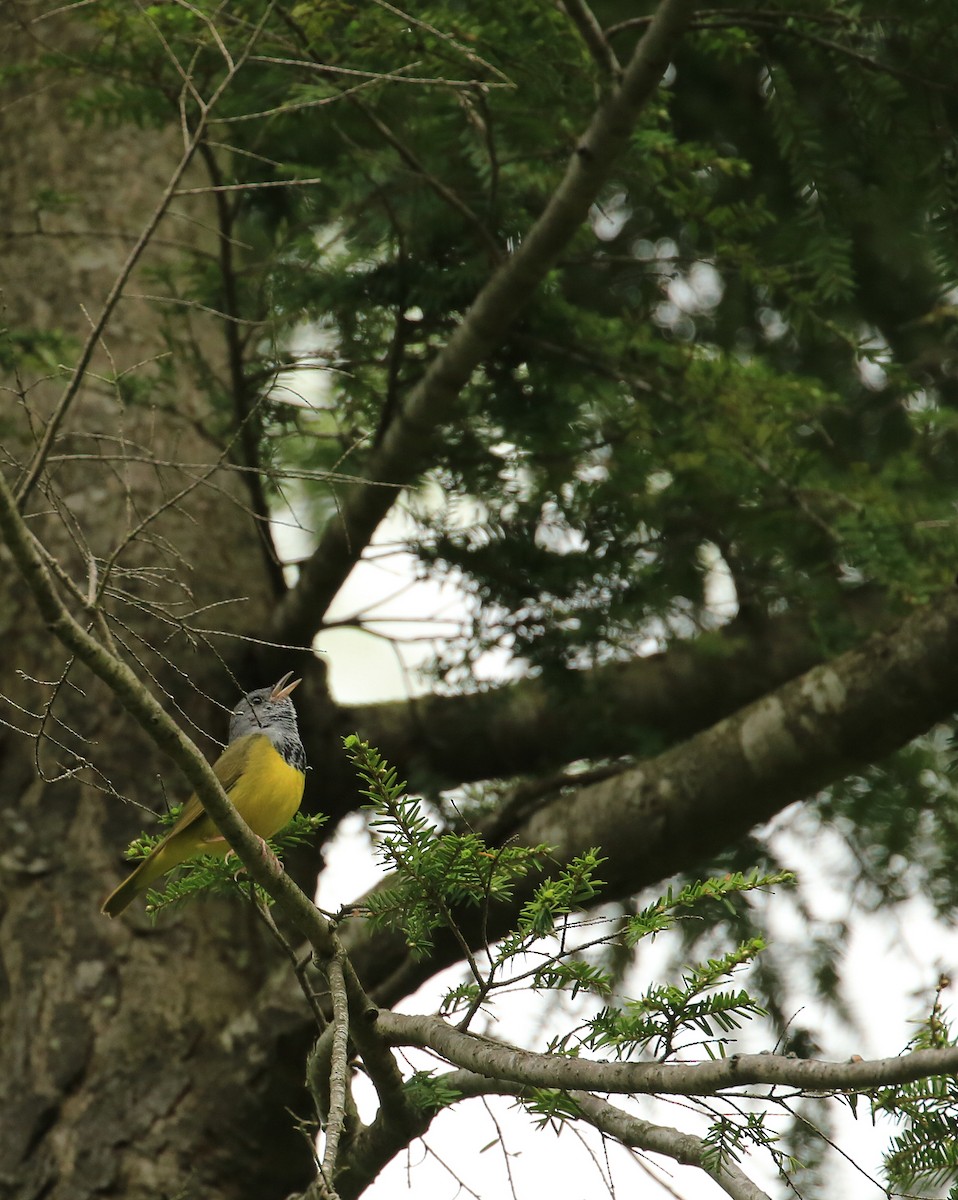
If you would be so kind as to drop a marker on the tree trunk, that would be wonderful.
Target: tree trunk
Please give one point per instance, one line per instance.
(135, 1061)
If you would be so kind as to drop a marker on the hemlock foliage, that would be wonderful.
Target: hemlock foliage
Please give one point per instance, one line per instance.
(735, 393)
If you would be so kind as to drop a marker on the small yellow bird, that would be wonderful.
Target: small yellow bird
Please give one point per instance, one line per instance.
(263, 771)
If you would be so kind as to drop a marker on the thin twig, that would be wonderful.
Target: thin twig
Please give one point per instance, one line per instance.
(246, 187)
(298, 962)
(72, 389)
(339, 1064)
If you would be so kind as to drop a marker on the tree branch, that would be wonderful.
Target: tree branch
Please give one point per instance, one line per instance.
(583, 18)
(169, 737)
(404, 450)
(535, 725)
(339, 1068)
(164, 731)
(625, 1128)
(677, 810)
(705, 793)
(249, 424)
(497, 1060)
(684, 1148)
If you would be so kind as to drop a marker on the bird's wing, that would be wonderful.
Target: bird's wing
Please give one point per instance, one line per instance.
(228, 768)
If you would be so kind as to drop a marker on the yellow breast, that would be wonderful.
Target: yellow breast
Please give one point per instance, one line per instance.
(268, 791)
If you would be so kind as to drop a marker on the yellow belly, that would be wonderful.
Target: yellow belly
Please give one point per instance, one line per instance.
(268, 793)
(265, 790)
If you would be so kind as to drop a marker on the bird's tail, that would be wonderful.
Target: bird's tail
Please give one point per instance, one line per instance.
(134, 885)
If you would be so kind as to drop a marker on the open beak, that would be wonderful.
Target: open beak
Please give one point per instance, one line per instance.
(283, 689)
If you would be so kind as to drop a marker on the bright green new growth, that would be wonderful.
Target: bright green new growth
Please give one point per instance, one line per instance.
(673, 1017)
(730, 1137)
(428, 1092)
(436, 873)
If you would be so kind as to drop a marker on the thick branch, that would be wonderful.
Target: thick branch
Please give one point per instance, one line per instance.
(535, 725)
(498, 1061)
(405, 448)
(676, 811)
(681, 807)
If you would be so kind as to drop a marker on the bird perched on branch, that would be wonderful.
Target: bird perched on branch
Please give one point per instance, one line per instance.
(262, 770)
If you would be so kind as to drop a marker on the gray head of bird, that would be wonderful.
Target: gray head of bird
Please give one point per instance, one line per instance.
(264, 709)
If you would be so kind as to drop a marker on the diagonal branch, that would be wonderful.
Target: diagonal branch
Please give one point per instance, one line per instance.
(168, 736)
(684, 1148)
(404, 451)
(372, 1154)
(708, 792)
(159, 725)
(676, 811)
(591, 33)
(633, 707)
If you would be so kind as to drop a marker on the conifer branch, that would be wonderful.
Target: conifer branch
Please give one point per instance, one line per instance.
(404, 450)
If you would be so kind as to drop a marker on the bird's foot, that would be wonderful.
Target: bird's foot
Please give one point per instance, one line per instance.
(269, 858)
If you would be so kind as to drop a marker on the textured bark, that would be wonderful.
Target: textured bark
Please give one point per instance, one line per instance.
(497, 1060)
(134, 1061)
(143, 1062)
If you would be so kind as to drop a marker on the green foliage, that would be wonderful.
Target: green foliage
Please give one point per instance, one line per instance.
(747, 359)
(670, 908)
(896, 845)
(437, 873)
(729, 1138)
(662, 1021)
(551, 1106)
(925, 1153)
(210, 874)
(690, 377)
(573, 888)
(26, 349)
(429, 1093)
(575, 976)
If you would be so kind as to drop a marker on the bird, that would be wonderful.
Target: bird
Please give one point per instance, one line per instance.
(263, 771)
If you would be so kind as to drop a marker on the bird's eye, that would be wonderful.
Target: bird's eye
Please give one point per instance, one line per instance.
(257, 699)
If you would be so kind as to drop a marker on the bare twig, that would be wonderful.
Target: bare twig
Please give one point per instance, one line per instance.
(246, 187)
(72, 389)
(453, 199)
(469, 54)
(308, 64)
(339, 1064)
(298, 963)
